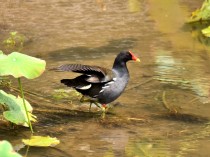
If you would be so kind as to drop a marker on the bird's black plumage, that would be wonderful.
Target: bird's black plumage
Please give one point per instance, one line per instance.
(98, 83)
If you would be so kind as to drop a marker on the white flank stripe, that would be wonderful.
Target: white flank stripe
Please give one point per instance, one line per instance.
(85, 87)
(110, 83)
(105, 87)
(101, 91)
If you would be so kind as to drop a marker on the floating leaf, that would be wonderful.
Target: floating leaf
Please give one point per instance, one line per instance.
(41, 141)
(16, 112)
(18, 64)
(201, 14)
(206, 31)
(6, 150)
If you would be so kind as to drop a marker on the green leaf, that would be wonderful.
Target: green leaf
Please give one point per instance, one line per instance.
(2, 55)
(13, 33)
(6, 150)
(41, 141)
(201, 14)
(206, 31)
(16, 112)
(18, 64)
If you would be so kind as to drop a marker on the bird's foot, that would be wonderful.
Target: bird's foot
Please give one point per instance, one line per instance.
(94, 102)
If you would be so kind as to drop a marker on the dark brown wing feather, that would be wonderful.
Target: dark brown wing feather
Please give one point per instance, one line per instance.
(97, 74)
(79, 68)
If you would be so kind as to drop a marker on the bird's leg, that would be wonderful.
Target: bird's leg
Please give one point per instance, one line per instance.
(91, 102)
(82, 99)
(103, 108)
(85, 99)
(97, 104)
(104, 105)
(90, 105)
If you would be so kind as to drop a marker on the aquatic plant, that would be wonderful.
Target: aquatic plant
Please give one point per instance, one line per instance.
(18, 65)
(6, 150)
(41, 141)
(202, 14)
(16, 109)
(14, 42)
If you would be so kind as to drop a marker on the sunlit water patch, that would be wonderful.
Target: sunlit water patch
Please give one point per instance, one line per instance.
(177, 71)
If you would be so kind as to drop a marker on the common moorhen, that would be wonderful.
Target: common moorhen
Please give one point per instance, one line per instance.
(100, 85)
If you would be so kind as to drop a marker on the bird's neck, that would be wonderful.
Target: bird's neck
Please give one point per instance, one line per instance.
(120, 67)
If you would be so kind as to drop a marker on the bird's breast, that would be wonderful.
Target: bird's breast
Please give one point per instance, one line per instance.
(112, 90)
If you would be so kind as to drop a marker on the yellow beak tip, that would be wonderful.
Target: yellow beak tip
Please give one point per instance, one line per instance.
(138, 60)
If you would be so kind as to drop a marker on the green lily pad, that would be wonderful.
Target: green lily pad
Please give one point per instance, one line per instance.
(2, 55)
(41, 141)
(16, 111)
(6, 150)
(18, 64)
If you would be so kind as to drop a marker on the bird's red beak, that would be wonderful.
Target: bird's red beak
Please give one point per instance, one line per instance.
(134, 57)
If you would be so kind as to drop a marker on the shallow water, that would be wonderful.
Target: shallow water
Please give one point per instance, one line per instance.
(174, 71)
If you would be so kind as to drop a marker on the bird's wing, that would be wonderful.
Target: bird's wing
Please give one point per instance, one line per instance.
(96, 74)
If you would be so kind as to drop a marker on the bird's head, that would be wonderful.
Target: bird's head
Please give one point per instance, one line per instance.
(127, 55)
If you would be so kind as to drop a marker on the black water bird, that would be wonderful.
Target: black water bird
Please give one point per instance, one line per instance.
(99, 84)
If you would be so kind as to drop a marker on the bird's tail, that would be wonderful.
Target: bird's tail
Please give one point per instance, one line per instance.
(77, 82)
(69, 82)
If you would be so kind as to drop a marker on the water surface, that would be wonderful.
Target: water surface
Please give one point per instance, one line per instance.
(174, 69)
